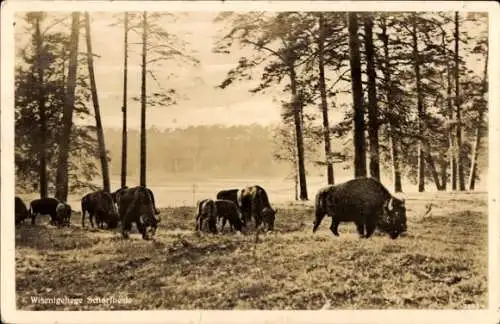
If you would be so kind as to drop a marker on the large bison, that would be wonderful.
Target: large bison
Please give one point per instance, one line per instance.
(100, 205)
(44, 206)
(136, 205)
(21, 211)
(63, 212)
(116, 197)
(227, 210)
(229, 194)
(364, 201)
(206, 220)
(254, 202)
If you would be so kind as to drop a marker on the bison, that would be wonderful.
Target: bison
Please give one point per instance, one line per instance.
(44, 206)
(254, 202)
(100, 205)
(116, 196)
(227, 210)
(229, 194)
(206, 220)
(364, 201)
(136, 205)
(21, 211)
(63, 212)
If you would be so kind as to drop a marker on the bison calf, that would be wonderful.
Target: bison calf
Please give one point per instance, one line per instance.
(63, 212)
(100, 205)
(364, 201)
(226, 210)
(206, 220)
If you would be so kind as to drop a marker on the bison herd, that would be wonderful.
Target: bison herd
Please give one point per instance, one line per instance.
(239, 207)
(363, 201)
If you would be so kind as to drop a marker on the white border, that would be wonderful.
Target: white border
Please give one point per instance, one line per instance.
(7, 298)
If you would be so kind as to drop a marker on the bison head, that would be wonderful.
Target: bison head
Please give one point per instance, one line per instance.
(150, 224)
(394, 217)
(269, 216)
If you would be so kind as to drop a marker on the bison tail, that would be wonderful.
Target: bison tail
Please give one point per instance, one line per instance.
(320, 211)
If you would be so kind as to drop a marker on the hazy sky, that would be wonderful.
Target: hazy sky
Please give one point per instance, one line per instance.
(204, 104)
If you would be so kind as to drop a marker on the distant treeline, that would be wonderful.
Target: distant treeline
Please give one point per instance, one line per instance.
(214, 151)
(219, 151)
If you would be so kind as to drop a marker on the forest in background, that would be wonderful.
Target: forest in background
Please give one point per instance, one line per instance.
(418, 84)
(218, 151)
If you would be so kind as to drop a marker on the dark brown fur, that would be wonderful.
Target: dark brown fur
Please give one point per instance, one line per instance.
(364, 201)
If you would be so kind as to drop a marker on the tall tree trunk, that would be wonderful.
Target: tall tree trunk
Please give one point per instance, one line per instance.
(95, 100)
(40, 64)
(124, 108)
(296, 105)
(324, 103)
(143, 99)
(373, 124)
(432, 167)
(451, 139)
(460, 164)
(479, 129)
(67, 119)
(357, 97)
(444, 173)
(396, 172)
(420, 107)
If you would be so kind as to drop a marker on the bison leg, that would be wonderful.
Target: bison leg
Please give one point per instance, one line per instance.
(54, 220)
(125, 227)
(198, 223)
(91, 219)
(360, 227)
(224, 220)
(258, 220)
(142, 229)
(318, 220)
(212, 223)
(334, 227)
(370, 228)
(83, 217)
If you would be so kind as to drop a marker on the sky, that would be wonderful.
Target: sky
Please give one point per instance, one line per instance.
(201, 102)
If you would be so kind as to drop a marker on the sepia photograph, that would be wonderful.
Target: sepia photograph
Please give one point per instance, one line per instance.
(249, 155)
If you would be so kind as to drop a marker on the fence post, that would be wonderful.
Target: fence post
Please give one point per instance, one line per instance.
(194, 194)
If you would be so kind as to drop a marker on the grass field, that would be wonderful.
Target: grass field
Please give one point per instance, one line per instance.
(441, 263)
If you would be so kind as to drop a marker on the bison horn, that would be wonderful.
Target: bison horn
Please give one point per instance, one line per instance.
(390, 204)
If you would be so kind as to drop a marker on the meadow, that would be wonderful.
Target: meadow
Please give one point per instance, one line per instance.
(441, 263)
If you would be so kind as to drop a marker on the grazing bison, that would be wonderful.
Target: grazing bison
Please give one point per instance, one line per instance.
(116, 196)
(63, 212)
(364, 201)
(136, 205)
(254, 202)
(44, 206)
(21, 211)
(100, 205)
(206, 220)
(226, 210)
(229, 194)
